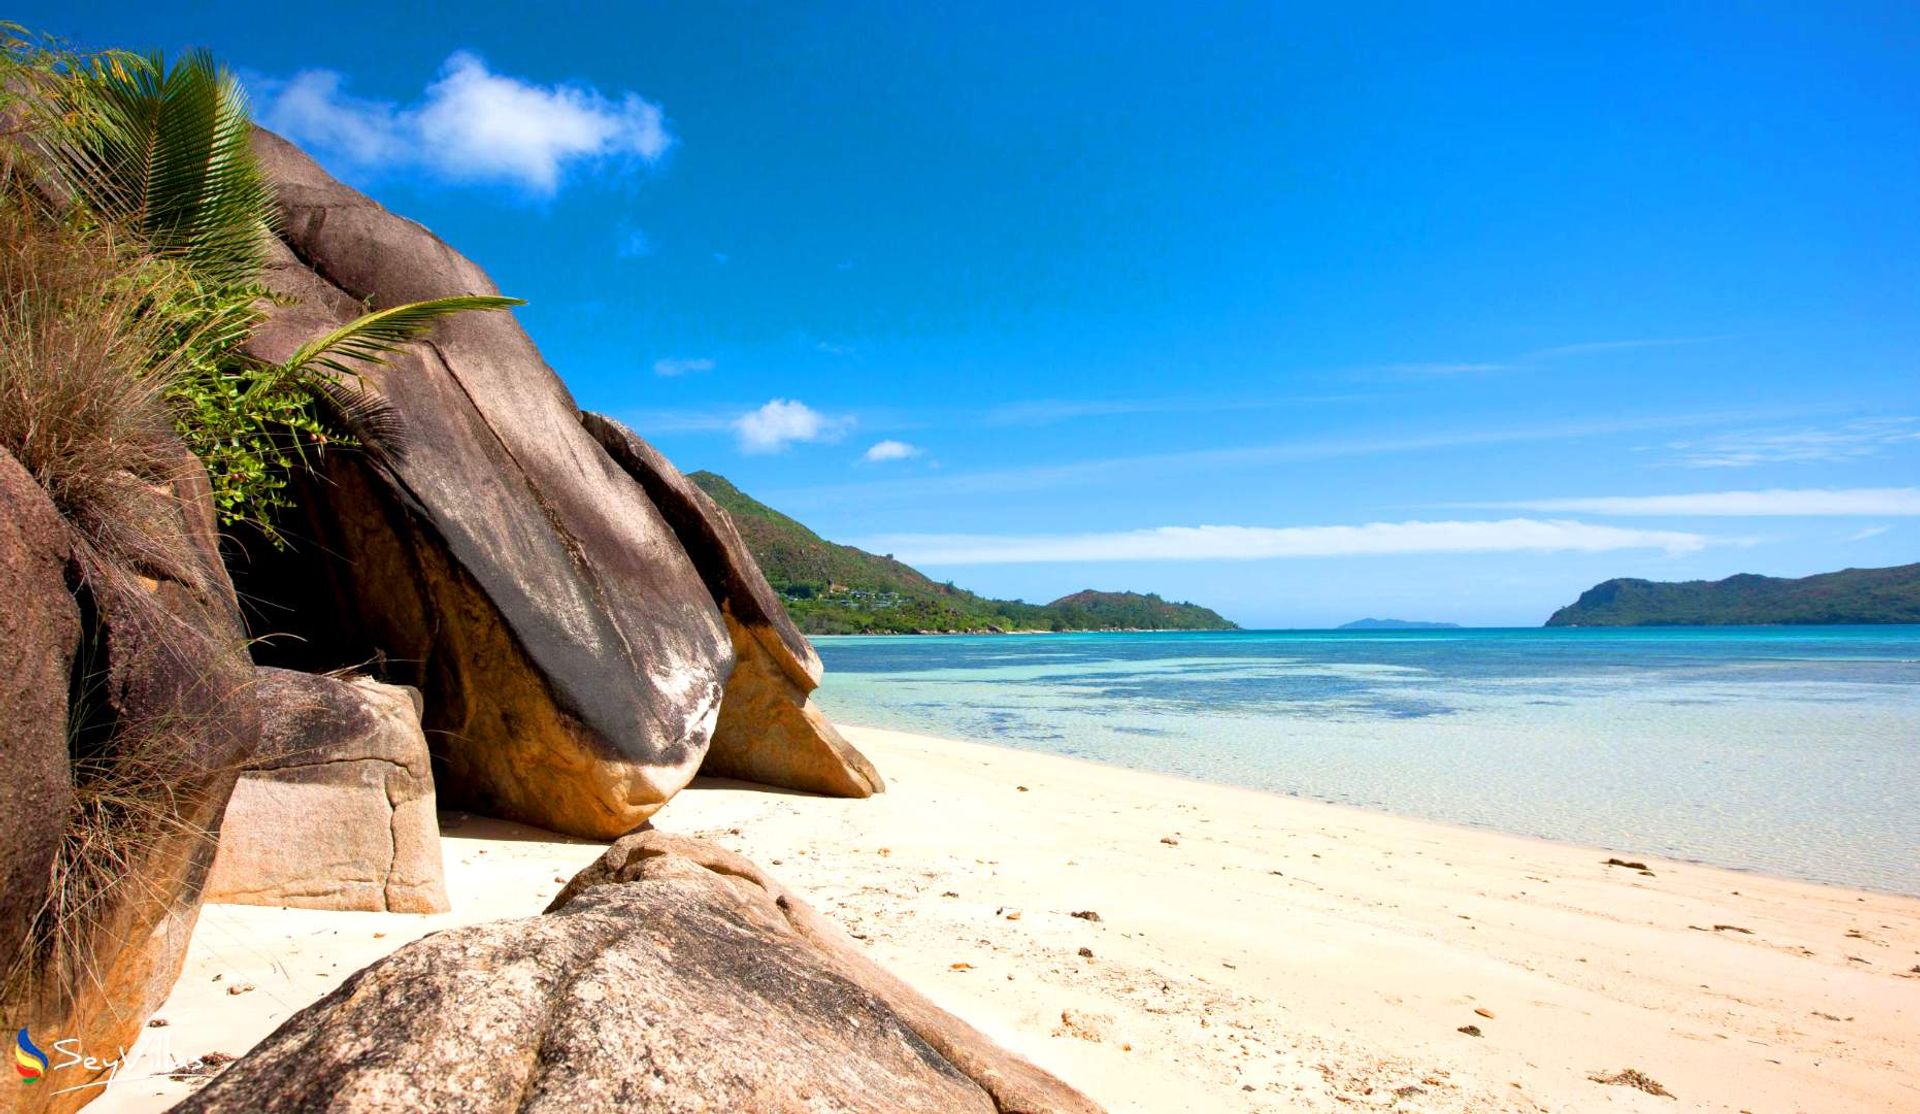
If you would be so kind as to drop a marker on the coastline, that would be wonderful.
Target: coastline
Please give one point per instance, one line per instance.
(1253, 951)
(1021, 630)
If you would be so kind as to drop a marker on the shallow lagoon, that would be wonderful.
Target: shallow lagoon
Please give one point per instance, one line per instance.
(1789, 750)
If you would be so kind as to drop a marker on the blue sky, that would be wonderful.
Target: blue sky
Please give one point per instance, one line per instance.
(1442, 312)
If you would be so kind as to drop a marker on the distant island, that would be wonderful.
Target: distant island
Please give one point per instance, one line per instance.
(1848, 596)
(1395, 624)
(837, 589)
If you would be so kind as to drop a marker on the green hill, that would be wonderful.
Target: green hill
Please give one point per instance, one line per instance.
(837, 589)
(1849, 596)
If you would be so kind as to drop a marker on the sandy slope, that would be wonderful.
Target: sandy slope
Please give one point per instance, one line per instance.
(1252, 952)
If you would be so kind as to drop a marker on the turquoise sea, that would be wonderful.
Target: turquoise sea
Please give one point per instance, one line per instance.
(1786, 750)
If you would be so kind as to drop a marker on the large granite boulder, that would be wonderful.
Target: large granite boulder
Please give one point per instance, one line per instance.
(491, 555)
(161, 718)
(39, 632)
(770, 731)
(336, 810)
(669, 976)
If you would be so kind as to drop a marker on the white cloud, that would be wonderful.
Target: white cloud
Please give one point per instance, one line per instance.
(634, 244)
(783, 422)
(1772, 503)
(311, 110)
(1596, 347)
(1246, 543)
(654, 422)
(890, 450)
(470, 124)
(1110, 470)
(1445, 368)
(1046, 411)
(672, 367)
(1537, 357)
(1833, 445)
(1869, 532)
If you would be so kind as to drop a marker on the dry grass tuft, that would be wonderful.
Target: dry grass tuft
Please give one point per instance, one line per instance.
(84, 371)
(127, 823)
(134, 832)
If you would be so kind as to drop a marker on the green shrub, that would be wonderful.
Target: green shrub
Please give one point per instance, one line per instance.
(159, 157)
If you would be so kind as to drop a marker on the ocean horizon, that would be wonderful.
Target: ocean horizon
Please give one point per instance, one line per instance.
(1787, 750)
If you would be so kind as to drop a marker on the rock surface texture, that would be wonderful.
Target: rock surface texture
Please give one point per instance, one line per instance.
(669, 976)
(492, 555)
(336, 810)
(39, 632)
(769, 731)
(160, 719)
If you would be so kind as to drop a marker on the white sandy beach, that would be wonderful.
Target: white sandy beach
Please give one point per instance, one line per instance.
(1251, 952)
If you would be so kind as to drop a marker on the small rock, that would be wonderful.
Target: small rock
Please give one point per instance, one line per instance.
(948, 893)
(1021, 788)
(240, 988)
(1087, 915)
(1014, 916)
(961, 966)
(1086, 953)
(1170, 841)
(1484, 1012)
(157, 1023)
(1470, 1030)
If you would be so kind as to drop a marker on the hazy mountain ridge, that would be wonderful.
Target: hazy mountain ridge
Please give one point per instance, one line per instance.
(830, 588)
(1890, 595)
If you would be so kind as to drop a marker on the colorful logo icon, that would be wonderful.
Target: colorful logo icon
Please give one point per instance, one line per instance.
(28, 1060)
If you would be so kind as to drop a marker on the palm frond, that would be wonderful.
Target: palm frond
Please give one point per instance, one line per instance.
(372, 338)
(165, 152)
(380, 429)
